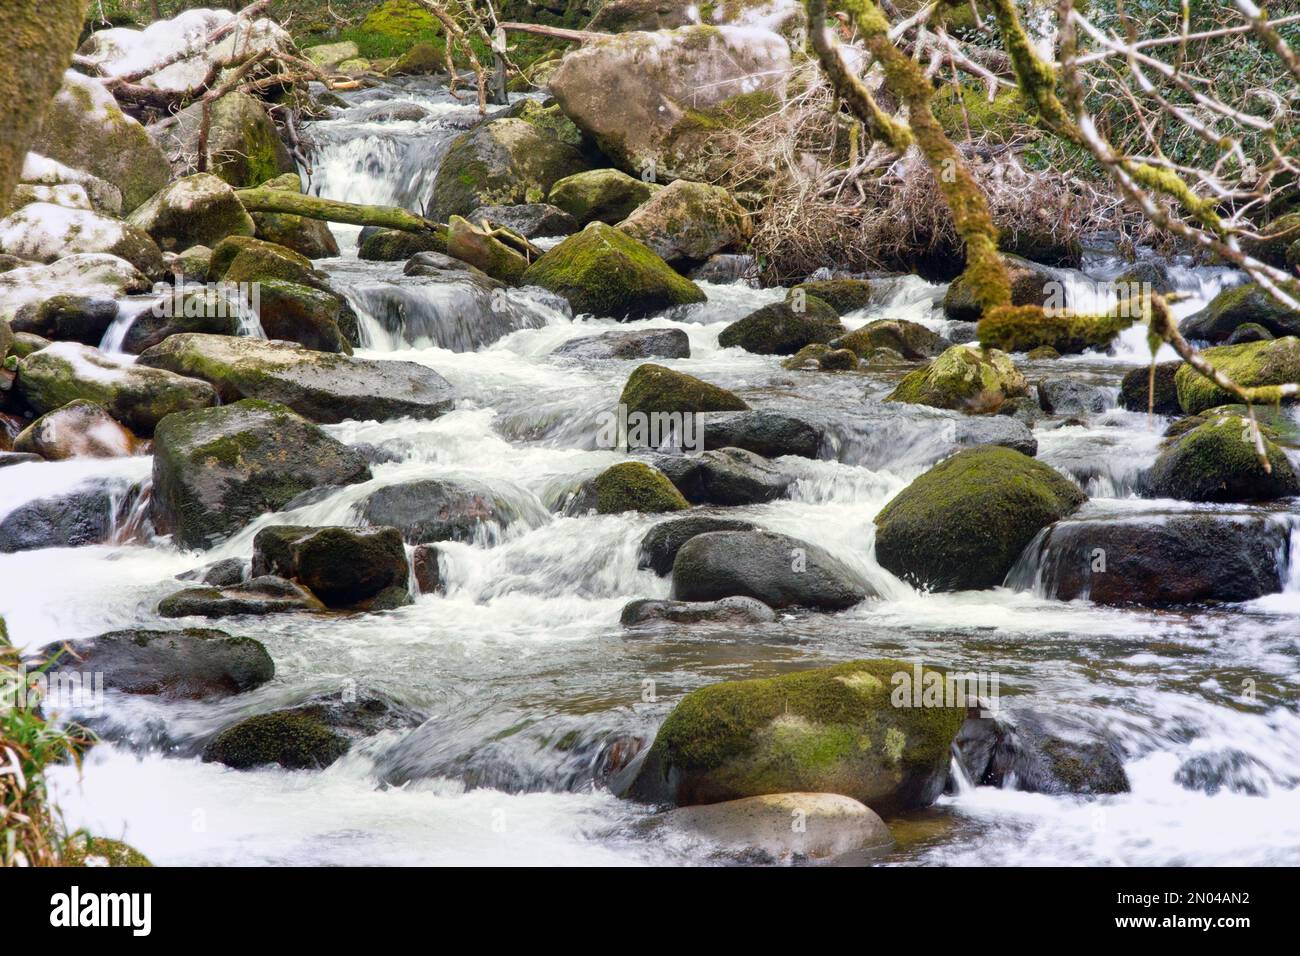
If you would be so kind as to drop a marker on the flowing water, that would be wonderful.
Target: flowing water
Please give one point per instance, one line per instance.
(525, 674)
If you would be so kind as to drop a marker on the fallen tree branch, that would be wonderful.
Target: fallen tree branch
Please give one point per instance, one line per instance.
(333, 210)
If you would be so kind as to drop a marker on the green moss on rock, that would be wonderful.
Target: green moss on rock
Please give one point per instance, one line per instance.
(635, 486)
(292, 739)
(911, 340)
(833, 730)
(83, 850)
(843, 295)
(963, 523)
(1217, 461)
(1021, 328)
(653, 388)
(1253, 364)
(604, 195)
(778, 329)
(973, 380)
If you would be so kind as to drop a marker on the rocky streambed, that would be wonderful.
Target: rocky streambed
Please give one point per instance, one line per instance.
(554, 646)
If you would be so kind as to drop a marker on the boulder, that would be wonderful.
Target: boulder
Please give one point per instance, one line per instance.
(88, 276)
(724, 476)
(243, 145)
(911, 340)
(634, 486)
(79, 429)
(136, 395)
(256, 596)
(323, 386)
(85, 128)
(653, 388)
(963, 523)
(601, 195)
(776, 569)
(766, 433)
(1025, 328)
(42, 232)
(780, 329)
(1041, 753)
(311, 238)
(329, 55)
(731, 610)
(686, 222)
(199, 210)
(483, 251)
(70, 520)
(217, 469)
(830, 730)
(67, 318)
(1136, 389)
(1238, 306)
(500, 162)
(838, 360)
(192, 308)
(346, 568)
(661, 543)
(1161, 560)
(606, 273)
(243, 259)
(313, 318)
(965, 378)
(763, 828)
(1274, 362)
(219, 574)
(192, 664)
(1217, 461)
(641, 344)
(530, 220)
(1031, 284)
(426, 569)
(659, 100)
(397, 245)
(1069, 396)
(41, 171)
(436, 509)
(1249, 332)
(842, 295)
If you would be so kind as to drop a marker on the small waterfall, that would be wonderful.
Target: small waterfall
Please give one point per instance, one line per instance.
(961, 781)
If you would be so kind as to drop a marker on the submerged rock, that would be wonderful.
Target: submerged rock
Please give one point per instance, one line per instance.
(1041, 753)
(776, 569)
(650, 343)
(134, 394)
(1157, 560)
(437, 509)
(963, 523)
(192, 664)
(606, 273)
(731, 610)
(217, 469)
(830, 730)
(259, 595)
(324, 387)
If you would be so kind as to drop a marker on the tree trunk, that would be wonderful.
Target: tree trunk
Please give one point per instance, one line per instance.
(333, 210)
(40, 37)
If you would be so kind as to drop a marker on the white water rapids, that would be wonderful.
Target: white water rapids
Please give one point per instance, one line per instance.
(525, 648)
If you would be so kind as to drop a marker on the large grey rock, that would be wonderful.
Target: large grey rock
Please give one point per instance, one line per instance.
(199, 210)
(1041, 753)
(325, 387)
(242, 147)
(724, 476)
(43, 232)
(661, 543)
(217, 469)
(730, 610)
(767, 433)
(776, 569)
(345, 567)
(641, 344)
(434, 509)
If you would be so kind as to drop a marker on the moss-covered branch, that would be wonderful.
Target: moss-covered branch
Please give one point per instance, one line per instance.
(333, 210)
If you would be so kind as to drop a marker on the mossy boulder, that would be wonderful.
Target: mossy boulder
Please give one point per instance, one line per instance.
(600, 195)
(530, 220)
(199, 210)
(422, 59)
(833, 730)
(484, 251)
(328, 55)
(653, 388)
(660, 101)
(43, 232)
(243, 145)
(1023, 328)
(965, 378)
(502, 161)
(85, 128)
(293, 739)
(624, 16)
(635, 486)
(911, 340)
(842, 295)
(1273, 362)
(313, 318)
(324, 386)
(397, 245)
(962, 524)
(193, 308)
(346, 568)
(1217, 461)
(1275, 241)
(244, 259)
(686, 222)
(399, 20)
(217, 469)
(1135, 390)
(1242, 305)
(137, 396)
(307, 237)
(781, 329)
(1031, 284)
(604, 272)
(82, 850)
